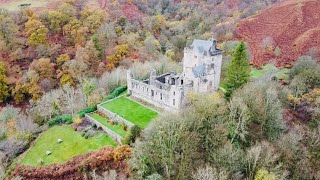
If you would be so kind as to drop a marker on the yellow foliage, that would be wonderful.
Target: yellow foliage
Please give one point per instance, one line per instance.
(263, 174)
(77, 120)
(66, 79)
(122, 152)
(19, 92)
(38, 36)
(113, 60)
(62, 59)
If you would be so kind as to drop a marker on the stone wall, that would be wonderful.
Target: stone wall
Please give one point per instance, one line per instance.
(114, 117)
(166, 99)
(112, 134)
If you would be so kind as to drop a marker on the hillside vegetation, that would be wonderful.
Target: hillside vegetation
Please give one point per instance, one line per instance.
(282, 33)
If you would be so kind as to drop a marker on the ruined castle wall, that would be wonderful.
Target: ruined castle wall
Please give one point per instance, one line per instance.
(159, 97)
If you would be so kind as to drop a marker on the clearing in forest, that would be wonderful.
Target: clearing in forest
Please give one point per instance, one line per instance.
(73, 144)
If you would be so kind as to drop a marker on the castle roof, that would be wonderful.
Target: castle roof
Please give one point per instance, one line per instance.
(205, 46)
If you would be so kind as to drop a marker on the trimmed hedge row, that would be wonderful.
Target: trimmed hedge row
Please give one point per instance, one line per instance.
(66, 118)
(83, 112)
(115, 93)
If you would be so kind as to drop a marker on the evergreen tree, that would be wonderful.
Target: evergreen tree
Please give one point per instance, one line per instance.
(238, 72)
(4, 89)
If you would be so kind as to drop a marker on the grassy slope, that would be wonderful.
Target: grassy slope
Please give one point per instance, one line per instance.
(115, 128)
(73, 144)
(268, 69)
(132, 111)
(265, 70)
(13, 5)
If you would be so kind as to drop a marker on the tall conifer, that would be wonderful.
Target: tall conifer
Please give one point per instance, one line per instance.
(238, 72)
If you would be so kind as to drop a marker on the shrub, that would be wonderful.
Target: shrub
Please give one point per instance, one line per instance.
(116, 92)
(8, 112)
(66, 118)
(3, 134)
(83, 112)
(132, 135)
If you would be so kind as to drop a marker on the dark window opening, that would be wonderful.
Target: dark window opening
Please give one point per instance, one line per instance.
(161, 96)
(152, 93)
(174, 102)
(181, 82)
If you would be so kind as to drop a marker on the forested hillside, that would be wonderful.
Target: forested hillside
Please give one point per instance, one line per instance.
(49, 46)
(63, 75)
(282, 33)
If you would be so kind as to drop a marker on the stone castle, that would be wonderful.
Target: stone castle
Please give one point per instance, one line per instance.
(201, 73)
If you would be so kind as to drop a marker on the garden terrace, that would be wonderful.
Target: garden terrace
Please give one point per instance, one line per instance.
(131, 111)
(116, 127)
(73, 144)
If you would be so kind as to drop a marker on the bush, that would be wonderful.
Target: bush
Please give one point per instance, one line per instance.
(66, 118)
(132, 135)
(83, 112)
(3, 134)
(8, 113)
(115, 93)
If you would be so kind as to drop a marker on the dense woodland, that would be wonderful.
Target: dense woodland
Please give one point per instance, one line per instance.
(69, 58)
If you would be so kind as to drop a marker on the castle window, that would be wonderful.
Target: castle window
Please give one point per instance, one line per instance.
(160, 96)
(174, 93)
(160, 87)
(181, 82)
(195, 57)
(174, 102)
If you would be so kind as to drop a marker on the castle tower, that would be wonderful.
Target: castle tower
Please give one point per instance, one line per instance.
(202, 65)
(129, 83)
(153, 76)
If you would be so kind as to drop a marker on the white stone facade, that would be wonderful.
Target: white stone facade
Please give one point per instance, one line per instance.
(201, 73)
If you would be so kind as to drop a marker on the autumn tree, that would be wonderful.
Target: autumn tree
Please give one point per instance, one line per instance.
(92, 18)
(36, 31)
(8, 29)
(4, 89)
(75, 32)
(42, 69)
(20, 91)
(57, 20)
(120, 52)
(238, 72)
(62, 59)
(89, 55)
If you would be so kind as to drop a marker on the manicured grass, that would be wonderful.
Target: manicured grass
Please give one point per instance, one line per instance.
(73, 144)
(131, 111)
(115, 128)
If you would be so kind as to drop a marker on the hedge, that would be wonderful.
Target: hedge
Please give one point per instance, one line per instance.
(83, 112)
(115, 93)
(66, 118)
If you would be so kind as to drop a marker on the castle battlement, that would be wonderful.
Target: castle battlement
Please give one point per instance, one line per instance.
(201, 73)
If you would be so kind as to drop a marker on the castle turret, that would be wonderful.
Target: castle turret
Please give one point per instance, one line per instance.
(129, 83)
(153, 76)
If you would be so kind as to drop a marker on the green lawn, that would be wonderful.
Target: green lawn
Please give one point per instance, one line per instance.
(131, 111)
(115, 128)
(269, 69)
(73, 144)
(265, 70)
